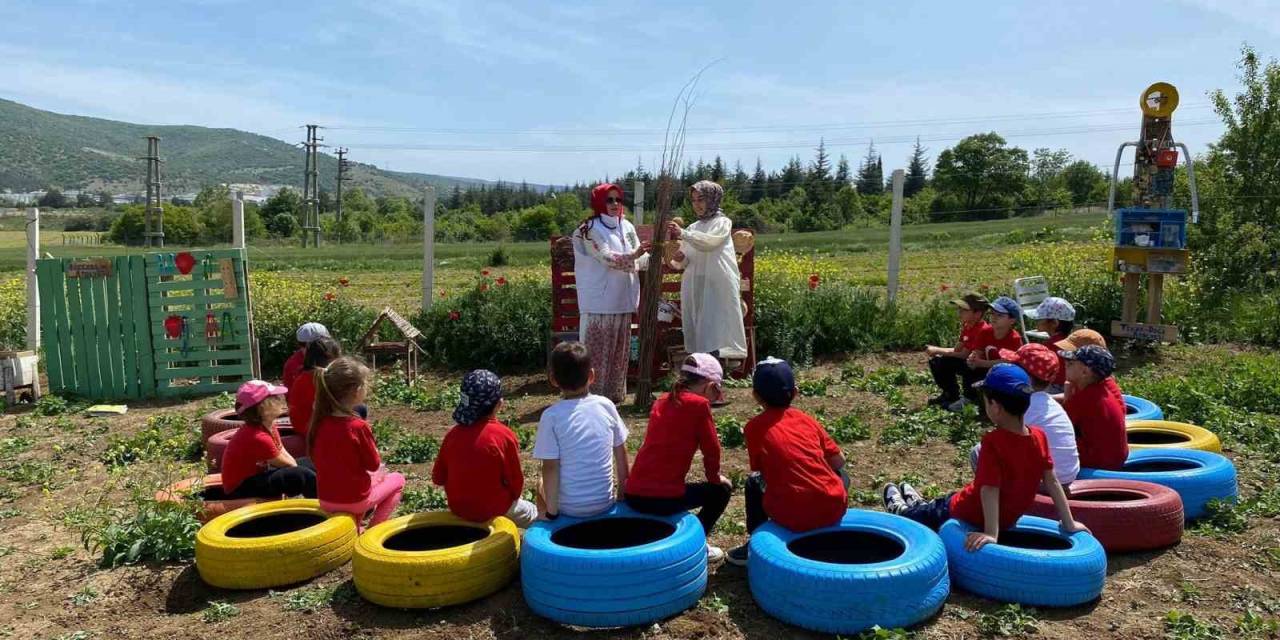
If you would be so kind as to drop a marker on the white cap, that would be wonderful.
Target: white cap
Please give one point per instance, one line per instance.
(312, 331)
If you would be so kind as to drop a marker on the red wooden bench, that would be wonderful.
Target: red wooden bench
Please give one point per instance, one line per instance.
(564, 306)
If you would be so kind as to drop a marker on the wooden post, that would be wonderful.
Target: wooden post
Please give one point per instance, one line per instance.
(237, 220)
(1132, 281)
(895, 235)
(638, 186)
(1155, 297)
(428, 246)
(33, 292)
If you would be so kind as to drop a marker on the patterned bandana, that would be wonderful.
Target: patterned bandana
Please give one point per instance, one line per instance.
(712, 194)
(481, 391)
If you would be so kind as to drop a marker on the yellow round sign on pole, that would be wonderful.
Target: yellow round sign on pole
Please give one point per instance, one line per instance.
(1159, 100)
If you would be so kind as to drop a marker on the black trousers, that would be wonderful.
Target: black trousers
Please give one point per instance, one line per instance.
(286, 481)
(709, 498)
(756, 515)
(954, 377)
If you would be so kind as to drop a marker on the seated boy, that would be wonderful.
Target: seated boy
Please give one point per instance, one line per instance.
(1000, 334)
(1074, 340)
(798, 477)
(479, 460)
(948, 364)
(1042, 366)
(581, 441)
(306, 334)
(1056, 317)
(1013, 462)
(1096, 407)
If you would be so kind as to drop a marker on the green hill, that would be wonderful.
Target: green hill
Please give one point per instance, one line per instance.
(41, 148)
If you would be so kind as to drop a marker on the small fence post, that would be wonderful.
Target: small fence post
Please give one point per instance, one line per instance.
(428, 246)
(237, 220)
(639, 200)
(895, 235)
(33, 292)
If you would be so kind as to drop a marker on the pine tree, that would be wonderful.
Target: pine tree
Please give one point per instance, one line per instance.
(917, 171)
(717, 171)
(821, 169)
(842, 172)
(759, 184)
(871, 173)
(738, 181)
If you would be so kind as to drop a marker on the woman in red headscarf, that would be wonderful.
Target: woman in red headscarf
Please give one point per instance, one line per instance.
(607, 253)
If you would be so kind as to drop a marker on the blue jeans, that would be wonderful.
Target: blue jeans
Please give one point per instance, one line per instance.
(930, 513)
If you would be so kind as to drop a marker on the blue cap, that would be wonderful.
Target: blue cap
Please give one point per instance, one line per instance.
(1008, 379)
(1096, 358)
(774, 382)
(1007, 306)
(481, 391)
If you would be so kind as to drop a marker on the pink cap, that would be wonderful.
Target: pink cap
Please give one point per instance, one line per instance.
(254, 391)
(705, 365)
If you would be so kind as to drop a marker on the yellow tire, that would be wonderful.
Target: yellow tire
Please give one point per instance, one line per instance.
(1162, 434)
(273, 544)
(401, 576)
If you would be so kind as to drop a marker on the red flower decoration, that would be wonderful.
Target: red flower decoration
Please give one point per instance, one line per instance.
(454, 315)
(330, 296)
(484, 272)
(814, 281)
(501, 281)
(484, 286)
(343, 281)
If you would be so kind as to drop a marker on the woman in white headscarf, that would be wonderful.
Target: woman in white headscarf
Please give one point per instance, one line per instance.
(710, 301)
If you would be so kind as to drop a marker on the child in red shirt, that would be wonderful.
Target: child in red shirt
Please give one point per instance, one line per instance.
(306, 334)
(1013, 462)
(479, 461)
(1096, 407)
(302, 394)
(1000, 334)
(947, 365)
(256, 464)
(680, 423)
(349, 472)
(798, 477)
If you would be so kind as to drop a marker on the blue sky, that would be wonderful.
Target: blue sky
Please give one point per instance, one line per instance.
(554, 92)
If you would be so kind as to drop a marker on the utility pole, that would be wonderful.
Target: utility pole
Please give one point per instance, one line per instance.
(311, 189)
(153, 236)
(343, 167)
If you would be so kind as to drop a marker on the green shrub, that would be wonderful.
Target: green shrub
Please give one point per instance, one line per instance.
(915, 428)
(526, 436)
(143, 531)
(281, 305)
(428, 498)
(1184, 626)
(394, 389)
(503, 327)
(413, 449)
(729, 429)
(50, 405)
(1009, 620)
(167, 436)
(848, 428)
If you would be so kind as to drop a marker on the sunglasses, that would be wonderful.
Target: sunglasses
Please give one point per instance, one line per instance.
(614, 201)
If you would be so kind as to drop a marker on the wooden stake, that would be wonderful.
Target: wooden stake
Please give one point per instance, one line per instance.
(428, 246)
(895, 235)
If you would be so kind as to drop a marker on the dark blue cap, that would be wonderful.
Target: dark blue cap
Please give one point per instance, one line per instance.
(1096, 358)
(1008, 379)
(481, 391)
(1006, 306)
(774, 382)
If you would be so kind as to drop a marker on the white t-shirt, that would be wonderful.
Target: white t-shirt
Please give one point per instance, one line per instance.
(581, 433)
(1047, 414)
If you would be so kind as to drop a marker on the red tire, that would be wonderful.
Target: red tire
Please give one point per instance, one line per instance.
(216, 445)
(1124, 515)
(226, 420)
(214, 501)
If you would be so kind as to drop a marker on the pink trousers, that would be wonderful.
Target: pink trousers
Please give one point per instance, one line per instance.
(384, 497)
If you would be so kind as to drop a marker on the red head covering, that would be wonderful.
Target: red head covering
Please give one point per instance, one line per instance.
(599, 193)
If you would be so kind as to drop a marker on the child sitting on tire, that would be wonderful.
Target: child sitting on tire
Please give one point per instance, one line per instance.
(302, 394)
(798, 477)
(1056, 317)
(680, 423)
(255, 463)
(1012, 464)
(581, 441)
(1095, 404)
(350, 477)
(479, 461)
(1042, 366)
(948, 364)
(307, 333)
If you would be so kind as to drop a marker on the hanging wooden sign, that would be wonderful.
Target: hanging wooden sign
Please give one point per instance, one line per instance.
(229, 288)
(91, 268)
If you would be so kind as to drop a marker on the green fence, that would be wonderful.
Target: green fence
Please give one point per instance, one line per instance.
(139, 326)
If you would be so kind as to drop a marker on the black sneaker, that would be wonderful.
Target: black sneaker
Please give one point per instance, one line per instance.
(942, 400)
(893, 502)
(910, 495)
(737, 556)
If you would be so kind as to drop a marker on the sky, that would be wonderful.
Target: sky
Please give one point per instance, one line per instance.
(554, 92)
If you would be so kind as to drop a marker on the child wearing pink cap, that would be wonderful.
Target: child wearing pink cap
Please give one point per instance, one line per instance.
(256, 464)
(680, 423)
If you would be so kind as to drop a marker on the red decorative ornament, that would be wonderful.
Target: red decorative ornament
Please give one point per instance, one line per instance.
(173, 327)
(185, 262)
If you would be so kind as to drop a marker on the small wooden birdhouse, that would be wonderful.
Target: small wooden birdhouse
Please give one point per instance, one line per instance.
(406, 349)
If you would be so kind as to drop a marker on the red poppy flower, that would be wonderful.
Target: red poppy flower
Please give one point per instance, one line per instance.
(442, 293)
(344, 281)
(814, 281)
(484, 272)
(501, 281)
(454, 315)
(484, 286)
(330, 296)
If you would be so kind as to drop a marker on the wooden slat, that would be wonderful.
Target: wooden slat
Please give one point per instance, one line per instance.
(102, 337)
(65, 341)
(204, 354)
(115, 344)
(174, 373)
(198, 389)
(184, 285)
(85, 337)
(142, 322)
(130, 355)
(47, 271)
(75, 317)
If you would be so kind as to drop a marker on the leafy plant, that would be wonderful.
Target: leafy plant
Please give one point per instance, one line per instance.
(880, 633)
(526, 437)
(499, 257)
(10, 447)
(413, 449)
(1252, 625)
(428, 498)
(61, 552)
(84, 596)
(218, 611)
(730, 432)
(814, 388)
(50, 405)
(142, 531)
(1184, 626)
(30, 473)
(167, 436)
(313, 599)
(915, 428)
(1009, 620)
(386, 432)
(848, 428)
(714, 603)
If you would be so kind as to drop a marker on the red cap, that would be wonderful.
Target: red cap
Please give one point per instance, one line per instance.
(1038, 360)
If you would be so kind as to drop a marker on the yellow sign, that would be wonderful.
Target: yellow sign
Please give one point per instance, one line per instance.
(1159, 100)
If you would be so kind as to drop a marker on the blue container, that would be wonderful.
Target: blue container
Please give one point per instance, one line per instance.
(1151, 228)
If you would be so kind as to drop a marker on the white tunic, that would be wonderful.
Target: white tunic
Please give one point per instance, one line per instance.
(710, 301)
(603, 269)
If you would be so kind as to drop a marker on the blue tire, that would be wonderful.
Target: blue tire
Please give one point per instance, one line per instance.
(1197, 476)
(1070, 574)
(1136, 408)
(569, 576)
(901, 581)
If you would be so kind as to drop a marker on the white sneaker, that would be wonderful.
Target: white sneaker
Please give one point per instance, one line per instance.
(714, 554)
(958, 405)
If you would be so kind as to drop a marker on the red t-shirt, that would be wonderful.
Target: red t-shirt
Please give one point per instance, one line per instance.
(344, 454)
(970, 335)
(292, 367)
(1011, 461)
(1098, 414)
(677, 428)
(479, 468)
(990, 345)
(790, 450)
(302, 400)
(249, 447)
